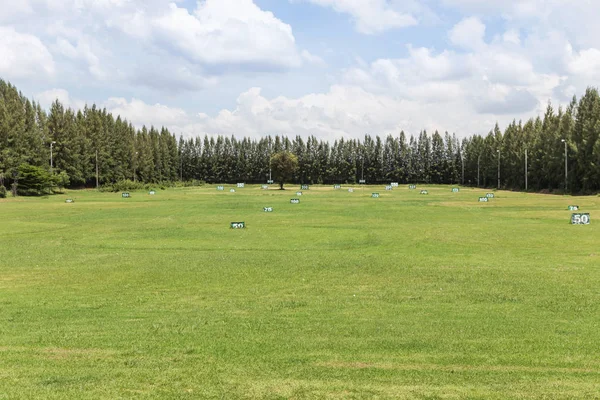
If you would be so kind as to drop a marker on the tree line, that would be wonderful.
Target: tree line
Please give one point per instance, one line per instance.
(91, 147)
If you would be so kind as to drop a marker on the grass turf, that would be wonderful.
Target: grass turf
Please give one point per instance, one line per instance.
(407, 296)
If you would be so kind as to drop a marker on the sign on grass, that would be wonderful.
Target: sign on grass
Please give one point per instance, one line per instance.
(362, 181)
(152, 193)
(268, 209)
(238, 225)
(580, 219)
(490, 195)
(412, 187)
(220, 188)
(573, 208)
(350, 190)
(264, 187)
(303, 187)
(483, 199)
(388, 187)
(270, 181)
(295, 201)
(394, 184)
(69, 201)
(337, 187)
(424, 192)
(298, 193)
(125, 195)
(231, 190)
(241, 185)
(375, 195)
(455, 190)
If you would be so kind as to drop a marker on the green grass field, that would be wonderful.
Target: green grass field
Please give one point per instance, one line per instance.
(342, 296)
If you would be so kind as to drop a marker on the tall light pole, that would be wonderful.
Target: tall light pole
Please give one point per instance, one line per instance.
(566, 166)
(526, 169)
(51, 162)
(135, 166)
(498, 151)
(462, 160)
(478, 161)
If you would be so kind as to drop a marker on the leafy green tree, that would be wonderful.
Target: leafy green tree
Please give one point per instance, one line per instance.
(284, 165)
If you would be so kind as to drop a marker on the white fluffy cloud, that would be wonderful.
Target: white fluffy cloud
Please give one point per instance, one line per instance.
(469, 34)
(139, 113)
(370, 16)
(23, 56)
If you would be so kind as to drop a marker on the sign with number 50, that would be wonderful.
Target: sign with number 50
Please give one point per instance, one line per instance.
(580, 219)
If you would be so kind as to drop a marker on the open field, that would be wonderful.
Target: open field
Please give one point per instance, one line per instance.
(407, 296)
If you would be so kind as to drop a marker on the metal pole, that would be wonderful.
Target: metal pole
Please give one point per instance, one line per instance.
(362, 176)
(135, 166)
(526, 170)
(51, 162)
(566, 166)
(498, 169)
(478, 160)
(97, 185)
(463, 169)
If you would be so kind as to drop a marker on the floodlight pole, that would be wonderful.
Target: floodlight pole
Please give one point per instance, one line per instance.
(478, 160)
(51, 162)
(462, 160)
(135, 166)
(526, 172)
(498, 151)
(566, 165)
(97, 185)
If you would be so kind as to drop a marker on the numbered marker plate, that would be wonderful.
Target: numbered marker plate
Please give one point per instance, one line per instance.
(264, 187)
(490, 195)
(298, 193)
(270, 181)
(412, 187)
(580, 219)
(69, 201)
(388, 188)
(152, 193)
(455, 190)
(220, 188)
(483, 200)
(238, 225)
(350, 190)
(337, 187)
(295, 201)
(394, 184)
(573, 208)
(424, 192)
(375, 195)
(241, 185)
(125, 195)
(231, 190)
(268, 209)
(304, 187)
(362, 181)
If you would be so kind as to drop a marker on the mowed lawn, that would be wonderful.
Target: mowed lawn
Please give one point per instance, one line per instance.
(342, 296)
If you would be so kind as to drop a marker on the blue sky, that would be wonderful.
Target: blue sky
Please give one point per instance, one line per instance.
(330, 68)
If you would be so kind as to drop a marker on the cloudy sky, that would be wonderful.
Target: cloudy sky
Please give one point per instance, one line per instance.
(331, 68)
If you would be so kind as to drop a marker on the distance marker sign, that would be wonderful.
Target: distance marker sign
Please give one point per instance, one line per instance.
(455, 190)
(490, 195)
(337, 187)
(298, 193)
(573, 208)
(268, 209)
(270, 181)
(69, 201)
(412, 187)
(388, 187)
(125, 195)
(424, 192)
(152, 193)
(350, 190)
(295, 201)
(375, 195)
(264, 187)
(394, 184)
(483, 200)
(241, 185)
(238, 225)
(303, 187)
(580, 219)
(220, 188)
(362, 181)
(231, 190)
